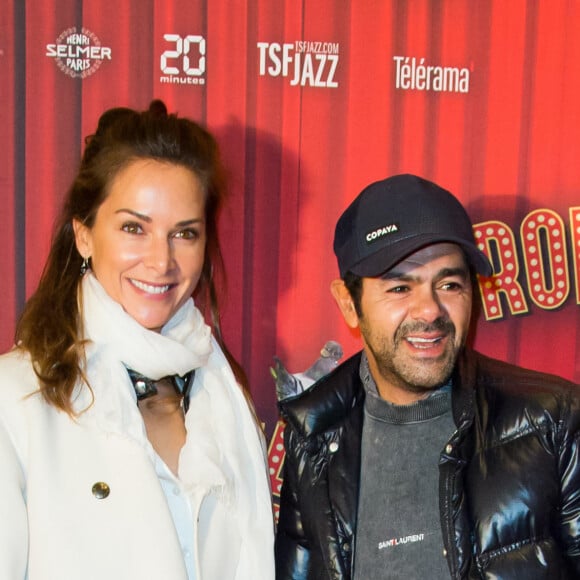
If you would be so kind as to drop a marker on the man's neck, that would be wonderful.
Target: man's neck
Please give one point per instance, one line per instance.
(396, 394)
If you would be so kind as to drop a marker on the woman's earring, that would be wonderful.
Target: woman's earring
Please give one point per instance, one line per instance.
(85, 266)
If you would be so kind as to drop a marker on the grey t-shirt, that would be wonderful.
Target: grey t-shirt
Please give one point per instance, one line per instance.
(398, 527)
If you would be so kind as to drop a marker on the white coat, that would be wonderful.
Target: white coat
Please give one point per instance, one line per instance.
(53, 526)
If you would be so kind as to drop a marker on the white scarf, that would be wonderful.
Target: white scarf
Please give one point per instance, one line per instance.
(222, 436)
(183, 344)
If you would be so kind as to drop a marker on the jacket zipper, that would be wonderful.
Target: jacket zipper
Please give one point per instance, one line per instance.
(448, 479)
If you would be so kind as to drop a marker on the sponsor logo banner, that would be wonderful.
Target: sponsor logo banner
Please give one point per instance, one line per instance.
(305, 63)
(78, 54)
(184, 61)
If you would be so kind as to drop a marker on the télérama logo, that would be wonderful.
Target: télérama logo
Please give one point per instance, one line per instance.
(78, 54)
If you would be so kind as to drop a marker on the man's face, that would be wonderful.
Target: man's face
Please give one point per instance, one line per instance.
(415, 319)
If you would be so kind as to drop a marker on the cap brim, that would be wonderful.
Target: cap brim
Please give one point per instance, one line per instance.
(384, 259)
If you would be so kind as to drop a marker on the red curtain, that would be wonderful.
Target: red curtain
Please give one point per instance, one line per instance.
(311, 101)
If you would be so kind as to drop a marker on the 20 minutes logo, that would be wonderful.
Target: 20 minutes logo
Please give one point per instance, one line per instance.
(78, 54)
(183, 62)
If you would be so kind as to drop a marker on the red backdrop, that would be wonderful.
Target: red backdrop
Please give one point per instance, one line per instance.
(311, 101)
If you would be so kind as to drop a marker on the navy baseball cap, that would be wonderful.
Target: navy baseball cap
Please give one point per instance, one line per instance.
(395, 217)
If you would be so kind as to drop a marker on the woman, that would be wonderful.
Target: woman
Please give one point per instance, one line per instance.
(128, 448)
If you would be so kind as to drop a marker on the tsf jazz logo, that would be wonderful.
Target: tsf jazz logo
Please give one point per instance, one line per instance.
(306, 63)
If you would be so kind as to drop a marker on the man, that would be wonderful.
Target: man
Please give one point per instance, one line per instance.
(418, 457)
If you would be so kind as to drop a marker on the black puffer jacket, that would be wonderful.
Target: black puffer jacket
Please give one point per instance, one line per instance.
(509, 476)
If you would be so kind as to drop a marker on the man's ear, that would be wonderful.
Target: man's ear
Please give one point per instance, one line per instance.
(344, 300)
(83, 239)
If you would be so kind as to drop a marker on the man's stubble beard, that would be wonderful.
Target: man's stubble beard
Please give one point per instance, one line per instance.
(414, 375)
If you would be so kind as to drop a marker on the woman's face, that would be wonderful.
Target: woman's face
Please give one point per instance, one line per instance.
(147, 244)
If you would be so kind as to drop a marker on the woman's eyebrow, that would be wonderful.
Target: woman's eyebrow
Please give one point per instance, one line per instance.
(147, 219)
